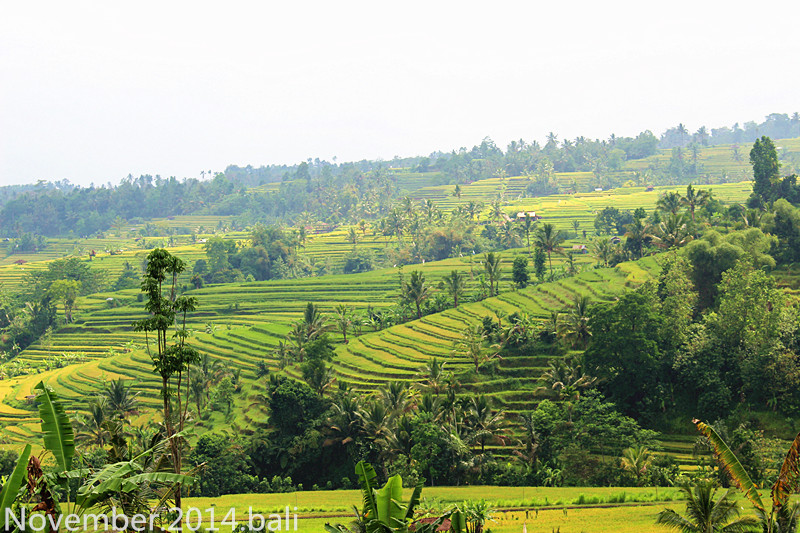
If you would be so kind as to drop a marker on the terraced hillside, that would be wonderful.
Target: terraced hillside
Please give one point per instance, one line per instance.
(240, 324)
(716, 165)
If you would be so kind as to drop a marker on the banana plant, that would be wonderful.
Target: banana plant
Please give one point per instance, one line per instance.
(783, 517)
(12, 485)
(119, 483)
(383, 510)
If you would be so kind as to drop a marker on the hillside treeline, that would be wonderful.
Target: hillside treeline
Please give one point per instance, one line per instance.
(347, 192)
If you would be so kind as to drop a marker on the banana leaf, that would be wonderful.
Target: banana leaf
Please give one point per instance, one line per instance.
(730, 463)
(59, 438)
(789, 476)
(458, 522)
(12, 485)
(120, 478)
(367, 478)
(414, 501)
(387, 501)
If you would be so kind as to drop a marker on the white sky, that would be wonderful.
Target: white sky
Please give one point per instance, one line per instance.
(92, 91)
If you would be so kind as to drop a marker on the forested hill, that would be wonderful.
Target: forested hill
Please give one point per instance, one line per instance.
(320, 191)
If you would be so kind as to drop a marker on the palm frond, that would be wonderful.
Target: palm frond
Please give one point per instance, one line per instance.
(789, 476)
(730, 463)
(58, 438)
(12, 486)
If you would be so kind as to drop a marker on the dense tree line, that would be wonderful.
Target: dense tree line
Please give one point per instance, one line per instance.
(316, 190)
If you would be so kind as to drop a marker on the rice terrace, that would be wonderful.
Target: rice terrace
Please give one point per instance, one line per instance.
(571, 304)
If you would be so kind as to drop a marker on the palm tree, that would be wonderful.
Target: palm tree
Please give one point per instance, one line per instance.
(705, 515)
(484, 423)
(575, 328)
(471, 346)
(694, 199)
(636, 235)
(564, 379)
(548, 238)
(497, 213)
(314, 322)
(682, 132)
(282, 353)
(432, 376)
(94, 428)
(352, 237)
(416, 290)
(343, 320)
(492, 267)
(344, 425)
(670, 202)
(119, 400)
(455, 283)
(526, 228)
(528, 457)
(472, 209)
(672, 232)
(636, 460)
(397, 397)
(318, 376)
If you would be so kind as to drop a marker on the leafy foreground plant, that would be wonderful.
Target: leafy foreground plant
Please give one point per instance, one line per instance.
(126, 485)
(704, 515)
(384, 512)
(783, 516)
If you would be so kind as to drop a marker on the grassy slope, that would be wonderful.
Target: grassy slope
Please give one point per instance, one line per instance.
(246, 320)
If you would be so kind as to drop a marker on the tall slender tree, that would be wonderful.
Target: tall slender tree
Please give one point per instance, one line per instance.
(549, 239)
(416, 290)
(455, 283)
(168, 311)
(493, 269)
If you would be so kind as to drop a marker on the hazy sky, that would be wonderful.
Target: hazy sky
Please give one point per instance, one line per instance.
(93, 91)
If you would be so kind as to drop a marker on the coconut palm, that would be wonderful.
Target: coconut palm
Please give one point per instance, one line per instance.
(549, 239)
(397, 397)
(496, 212)
(575, 326)
(314, 322)
(343, 426)
(529, 456)
(416, 290)
(455, 284)
(471, 346)
(603, 249)
(483, 422)
(491, 265)
(706, 515)
(672, 233)
(526, 228)
(343, 319)
(695, 199)
(472, 209)
(636, 460)
(352, 237)
(93, 429)
(637, 234)
(120, 401)
(432, 376)
(564, 379)
(670, 202)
